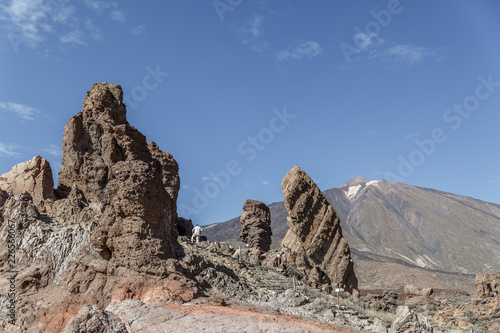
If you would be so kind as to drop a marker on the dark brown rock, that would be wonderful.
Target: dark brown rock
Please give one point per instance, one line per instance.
(33, 176)
(256, 225)
(487, 285)
(314, 242)
(184, 227)
(133, 182)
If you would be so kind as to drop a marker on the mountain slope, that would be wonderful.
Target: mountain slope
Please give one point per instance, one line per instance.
(421, 227)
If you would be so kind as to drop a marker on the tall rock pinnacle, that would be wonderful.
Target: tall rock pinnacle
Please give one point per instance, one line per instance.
(314, 242)
(256, 225)
(134, 182)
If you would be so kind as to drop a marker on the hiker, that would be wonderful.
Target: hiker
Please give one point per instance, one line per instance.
(196, 233)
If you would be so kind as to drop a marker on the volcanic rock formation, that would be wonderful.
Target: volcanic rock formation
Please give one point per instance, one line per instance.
(111, 226)
(314, 242)
(33, 176)
(135, 183)
(487, 285)
(256, 225)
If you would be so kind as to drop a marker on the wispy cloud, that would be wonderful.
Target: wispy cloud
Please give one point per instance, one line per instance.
(251, 33)
(374, 48)
(300, 50)
(75, 37)
(139, 30)
(264, 182)
(409, 54)
(8, 150)
(370, 133)
(255, 28)
(412, 136)
(118, 15)
(32, 22)
(28, 19)
(53, 150)
(23, 111)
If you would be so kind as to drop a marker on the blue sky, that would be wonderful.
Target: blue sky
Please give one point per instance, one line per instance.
(240, 91)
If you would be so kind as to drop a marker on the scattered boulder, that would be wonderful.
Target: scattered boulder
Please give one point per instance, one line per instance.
(408, 321)
(314, 243)
(256, 225)
(387, 301)
(184, 227)
(33, 176)
(487, 285)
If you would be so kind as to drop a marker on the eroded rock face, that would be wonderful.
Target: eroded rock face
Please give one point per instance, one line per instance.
(256, 225)
(487, 285)
(134, 182)
(110, 229)
(314, 243)
(33, 176)
(408, 321)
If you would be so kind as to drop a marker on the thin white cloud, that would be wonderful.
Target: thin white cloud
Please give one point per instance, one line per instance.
(412, 136)
(370, 132)
(53, 150)
(206, 179)
(251, 33)
(364, 41)
(99, 6)
(23, 111)
(83, 31)
(75, 37)
(139, 30)
(8, 150)
(264, 182)
(374, 48)
(300, 50)
(28, 18)
(32, 22)
(92, 30)
(255, 28)
(408, 54)
(118, 15)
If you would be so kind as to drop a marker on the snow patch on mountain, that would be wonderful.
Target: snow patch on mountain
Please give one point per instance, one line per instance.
(352, 191)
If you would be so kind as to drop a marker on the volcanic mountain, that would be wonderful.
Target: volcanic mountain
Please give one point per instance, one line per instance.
(415, 231)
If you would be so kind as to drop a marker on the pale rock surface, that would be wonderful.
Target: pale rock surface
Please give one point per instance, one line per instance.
(408, 321)
(33, 176)
(93, 319)
(314, 243)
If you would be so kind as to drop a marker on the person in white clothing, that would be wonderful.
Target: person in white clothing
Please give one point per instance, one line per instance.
(196, 233)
